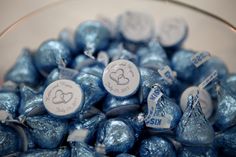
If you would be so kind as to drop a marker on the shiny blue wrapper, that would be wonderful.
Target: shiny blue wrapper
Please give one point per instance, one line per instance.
(148, 78)
(81, 61)
(92, 87)
(9, 86)
(53, 76)
(193, 128)
(225, 115)
(92, 36)
(182, 64)
(81, 149)
(59, 152)
(9, 102)
(226, 141)
(89, 124)
(230, 82)
(95, 68)
(156, 146)
(46, 131)
(10, 141)
(31, 102)
(167, 108)
(116, 135)
(66, 36)
(197, 152)
(50, 55)
(119, 105)
(125, 155)
(24, 70)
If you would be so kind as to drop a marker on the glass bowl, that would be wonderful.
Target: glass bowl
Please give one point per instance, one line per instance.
(206, 32)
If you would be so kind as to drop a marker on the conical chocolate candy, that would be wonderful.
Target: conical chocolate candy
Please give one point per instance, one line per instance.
(10, 141)
(156, 146)
(46, 131)
(231, 82)
(81, 149)
(92, 36)
(125, 155)
(163, 113)
(53, 76)
(66, 36)
(92, 88)
(31, 101)
(50, 54)
(193, 128)
(197, 152)
(225, 116)
(116, 136)
(59, 152)
(24, 70)
(9, 102)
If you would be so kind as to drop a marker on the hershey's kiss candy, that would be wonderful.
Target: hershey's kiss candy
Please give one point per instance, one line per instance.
(82, 149)
(116, 136)
(66, 36)
(9, 102)
(156, 146)
(125, 155)
(198, 152)
(50, 54)
(204, 98)
(63, 98)
(46, 131)
(24, 70)
(173, 32)
(136, 26)
(193, 128)
(121, 78)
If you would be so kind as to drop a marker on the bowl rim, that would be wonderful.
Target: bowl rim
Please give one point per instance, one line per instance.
(174, 2)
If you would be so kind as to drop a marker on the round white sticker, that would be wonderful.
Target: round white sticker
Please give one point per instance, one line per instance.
(121, 78)
(63, 97)
(204, 98)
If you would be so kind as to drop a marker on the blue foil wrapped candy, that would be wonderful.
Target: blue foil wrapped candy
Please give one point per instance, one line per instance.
(92, 36)
(118, 105)
(59, 152)
(166, 113)
(24, 70)
(182, 64)
(66, 36)
(116, 135)
(50, 54)
(197, 152)
(90, 125)
(92, 87)
(193, 128)
(46, 131)
(226, 141)
(82, 149)
(225, 115)
(125, 155)
(9, 102)
(156, 146)
(10, 141)
(230, 81)
(31, 102)
(53, 76)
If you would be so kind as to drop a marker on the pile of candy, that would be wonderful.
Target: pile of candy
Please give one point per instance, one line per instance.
(119, 89)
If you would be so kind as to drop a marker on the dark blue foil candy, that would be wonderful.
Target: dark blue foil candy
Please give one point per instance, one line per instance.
(24, 70)
(92, 36)
(156, 146)
(197, 152)
(9, 102)
(182, 64)
(125, 155)
(225, 116)
(230, 82)
(80, 149)
(59, 152)
(116, 135)
(116, 106)
(46, 131)
(226, 141)
(92, 88)
(50, 54)
(166, 109)
(66, 36)
(89, 124)
(31, 102)
(193, 128)
(95, 68)
(53, 76)
(10, 141)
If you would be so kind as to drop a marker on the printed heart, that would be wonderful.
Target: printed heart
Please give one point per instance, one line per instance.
(119, 77)
(61, 97)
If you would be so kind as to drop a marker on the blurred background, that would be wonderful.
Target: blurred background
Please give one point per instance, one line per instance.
(30, 33)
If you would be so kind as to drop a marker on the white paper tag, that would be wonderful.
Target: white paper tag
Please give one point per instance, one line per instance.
(200, 58)
(211, 77)
(67, 73)
(159, 121)
(167, 74)
(78, 135)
